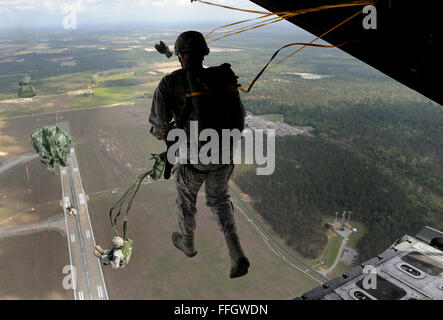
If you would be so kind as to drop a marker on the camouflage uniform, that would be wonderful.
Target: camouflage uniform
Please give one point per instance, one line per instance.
(169, 102)
(217, 197)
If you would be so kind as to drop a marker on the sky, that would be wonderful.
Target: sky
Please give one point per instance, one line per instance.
(17, 14)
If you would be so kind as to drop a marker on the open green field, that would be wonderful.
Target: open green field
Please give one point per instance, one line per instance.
(272, 117)
(105, 96)
(22, 189)
(32, 267)
(7, 96)
(355, 237)
(339, 269)
(331, 250)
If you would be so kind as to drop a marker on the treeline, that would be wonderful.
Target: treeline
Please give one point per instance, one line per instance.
(124, 82)
(406, 138)
(314, 178)
(40, 66)
(382, 160)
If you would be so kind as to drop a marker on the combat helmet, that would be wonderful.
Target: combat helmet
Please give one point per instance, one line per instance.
(117, 242)
(191, 41)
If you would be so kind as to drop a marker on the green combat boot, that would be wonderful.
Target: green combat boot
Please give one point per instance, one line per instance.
(184, 243)
(240, 263)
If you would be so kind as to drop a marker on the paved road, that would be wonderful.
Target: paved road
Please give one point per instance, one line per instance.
(275, 244)
(67, 110)
(54, 223)
(15, 161)
(81, 243)
(337, 258)
(27, 211)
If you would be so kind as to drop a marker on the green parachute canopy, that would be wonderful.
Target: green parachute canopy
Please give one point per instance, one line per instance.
(26, 90)
(53, 145)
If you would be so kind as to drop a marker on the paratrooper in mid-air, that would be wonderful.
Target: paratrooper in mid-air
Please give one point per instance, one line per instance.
(210, 97)
(114, 256)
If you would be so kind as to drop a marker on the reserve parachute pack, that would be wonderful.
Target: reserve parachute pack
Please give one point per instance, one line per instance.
(128, 244)
(214, 98)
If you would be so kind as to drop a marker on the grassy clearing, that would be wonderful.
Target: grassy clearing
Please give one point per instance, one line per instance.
(4, 96)
(23, 258)
(117, 76)
(115, 93)
(147, 86)
(63, 83)
(331, 250)
(339, 269)
(105, 96)
(355, 237)
(272, 117)
(39, 104)
(8, 143)
(24, 189)
(69, 77)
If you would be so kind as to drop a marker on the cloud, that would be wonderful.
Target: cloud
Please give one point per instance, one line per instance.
(83, 5)
(18, 12)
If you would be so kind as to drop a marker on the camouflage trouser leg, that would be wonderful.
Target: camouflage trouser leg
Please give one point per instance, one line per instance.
(188, 184)
(217, 197)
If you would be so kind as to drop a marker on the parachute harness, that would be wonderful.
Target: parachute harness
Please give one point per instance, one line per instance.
(279, 16)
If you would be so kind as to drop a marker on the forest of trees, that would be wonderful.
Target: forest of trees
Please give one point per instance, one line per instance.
(407, 138)
(314, 178)
(383, 162)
